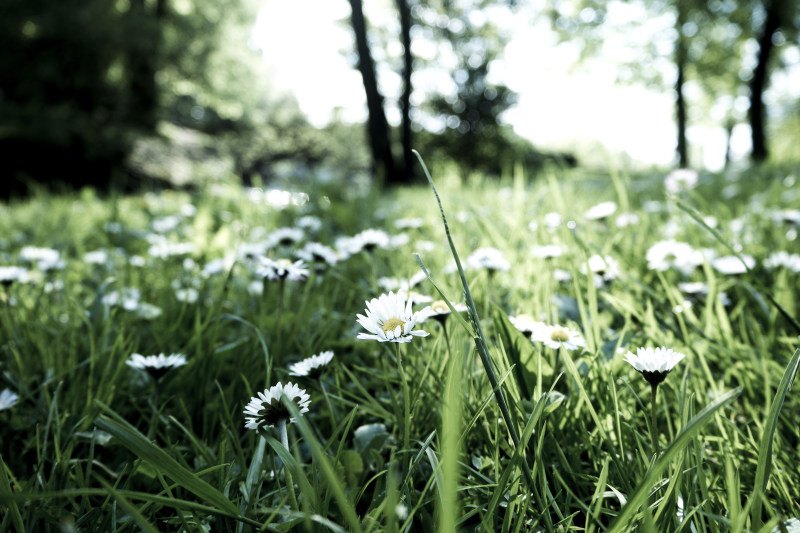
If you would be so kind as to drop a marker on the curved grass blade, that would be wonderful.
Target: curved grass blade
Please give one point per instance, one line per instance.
(478, 336)
(140, 445)
(625, 518)
(767, 437)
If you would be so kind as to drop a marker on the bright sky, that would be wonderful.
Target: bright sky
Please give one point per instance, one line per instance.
(304, 44)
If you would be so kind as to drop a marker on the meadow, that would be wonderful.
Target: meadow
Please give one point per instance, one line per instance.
(497, 389)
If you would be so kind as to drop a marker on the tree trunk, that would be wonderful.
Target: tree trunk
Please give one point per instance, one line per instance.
(680, 102)
(758, 83)
(405, 102)
(377, 127)
(143, 99)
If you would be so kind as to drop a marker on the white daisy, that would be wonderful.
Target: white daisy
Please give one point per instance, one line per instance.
(156, 365)
(664, 255)
(601, 211)
(11, 274)
(547, 251)
(409, 223)
(679, 180)
(7, 399)
(281, 269)
(309, 223)
(792, 526)
(624, 220)
(370, 239)
(314, 252)
(488, 258)
(284, 237)
(558, 337)
(267, 410)
(783, 259)
(439, 311)
(389, 318)
(312, 366)
(730, 264)
(654, 363)
(605, 269)
(526, 323)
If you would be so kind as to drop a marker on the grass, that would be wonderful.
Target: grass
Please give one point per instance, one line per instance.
(472, 428)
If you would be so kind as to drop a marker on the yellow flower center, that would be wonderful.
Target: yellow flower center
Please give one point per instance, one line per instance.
(391, 325)
(439, 306)
(559, 335)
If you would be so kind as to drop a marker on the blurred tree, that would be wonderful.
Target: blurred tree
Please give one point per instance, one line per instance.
(709, 48)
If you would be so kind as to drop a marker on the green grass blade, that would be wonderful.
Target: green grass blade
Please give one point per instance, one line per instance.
(626, 516)
(765, 444)
(139, 444)
(480, 342)
(131, 509)
(5, 488)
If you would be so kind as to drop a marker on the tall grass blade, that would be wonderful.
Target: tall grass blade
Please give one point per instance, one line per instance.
(139, 444)
(5, 488)
(626, 516)
(480, 340)
(765, 444)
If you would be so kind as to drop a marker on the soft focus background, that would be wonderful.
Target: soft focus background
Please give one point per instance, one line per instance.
(143, 91)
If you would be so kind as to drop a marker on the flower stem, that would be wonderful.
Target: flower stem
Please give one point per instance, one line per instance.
(406, 398)
(287, 474)
(653, 430)
(328, 403)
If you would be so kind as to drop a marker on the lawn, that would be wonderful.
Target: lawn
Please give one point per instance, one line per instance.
(572, 351)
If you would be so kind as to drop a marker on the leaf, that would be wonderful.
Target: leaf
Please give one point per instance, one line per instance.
(140, 445)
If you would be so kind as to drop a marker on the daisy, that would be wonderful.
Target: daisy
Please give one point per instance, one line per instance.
(682, 179)
(11, 274)
(668, 254)
(488, 258)
(311, 367)
(731, 264)
(281, 269)
(284, 237)
(319, 254)
(783, 259)
(547, 251)
(439, 311)
(309, 223)
(601, 211)
(156, 365)
(266, 410)
(654, 363)
(526, 323)
(605, 269)
(409, 223)
(370, 239)
(558, 337)
(627, 219)
(389, 318)
(7, 399)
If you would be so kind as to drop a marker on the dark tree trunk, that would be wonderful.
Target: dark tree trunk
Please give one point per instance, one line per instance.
(680, 101)
(405, 102)
(143, 99)
(680, 109)
(758, 83)
(377, 127)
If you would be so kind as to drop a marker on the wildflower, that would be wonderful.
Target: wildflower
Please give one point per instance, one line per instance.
(162, 249)
(97, 257)
(682, 179)
(731, 264)
(654, 364)
(526, 323)
(605, 269)
(790, 526)
(783, 259)
(558, 337)
(409, 223)
(311, 367)
(370, 239)
(664, 255)
(281, 269)
(156, 365)
(11, 274)
(439, 311)
(488, 258)
(389, 318)
(267, 410)
(627, 219)
(7, 399)
(284, 237)
(552, 221)
(547, 251)
(319, 254)
(309, 223)
(601, 211)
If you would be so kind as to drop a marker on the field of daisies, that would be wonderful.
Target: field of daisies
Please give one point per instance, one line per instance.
(571, 352)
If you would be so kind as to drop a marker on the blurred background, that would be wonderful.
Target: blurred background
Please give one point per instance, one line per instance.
(131, 92)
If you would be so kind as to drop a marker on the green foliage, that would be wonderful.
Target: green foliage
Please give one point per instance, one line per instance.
(504, 434)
